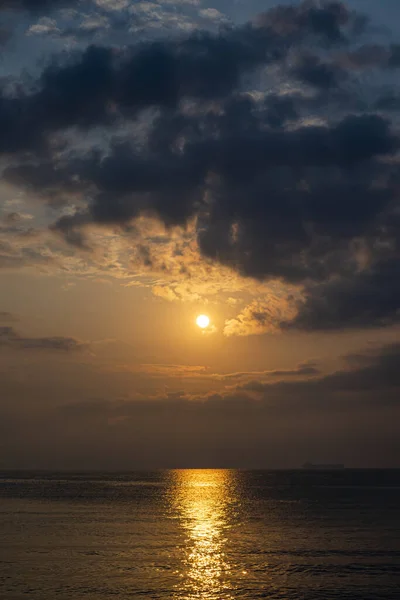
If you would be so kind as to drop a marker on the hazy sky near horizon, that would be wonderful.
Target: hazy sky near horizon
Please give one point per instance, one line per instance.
(165, 159)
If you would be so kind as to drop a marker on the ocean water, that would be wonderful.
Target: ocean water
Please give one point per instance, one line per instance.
(197, 534)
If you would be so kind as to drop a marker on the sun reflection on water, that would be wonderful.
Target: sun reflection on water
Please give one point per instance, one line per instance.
(204, 501)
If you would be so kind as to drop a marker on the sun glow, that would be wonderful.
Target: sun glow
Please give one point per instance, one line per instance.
(202, 321)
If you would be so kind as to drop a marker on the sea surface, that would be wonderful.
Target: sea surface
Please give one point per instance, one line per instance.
(200, 534)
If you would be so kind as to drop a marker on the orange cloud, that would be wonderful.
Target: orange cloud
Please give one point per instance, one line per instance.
(262, 315)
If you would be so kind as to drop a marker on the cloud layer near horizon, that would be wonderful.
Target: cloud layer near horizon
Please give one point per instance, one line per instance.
(11, 339)
(348, 415)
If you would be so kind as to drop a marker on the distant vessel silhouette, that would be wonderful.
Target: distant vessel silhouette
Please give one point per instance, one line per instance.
(323, 467)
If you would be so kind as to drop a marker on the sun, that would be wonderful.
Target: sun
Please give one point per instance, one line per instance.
(202, 321)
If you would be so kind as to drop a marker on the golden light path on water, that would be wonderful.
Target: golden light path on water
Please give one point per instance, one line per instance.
(204, 501)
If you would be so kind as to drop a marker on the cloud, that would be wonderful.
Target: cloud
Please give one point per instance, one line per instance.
(213, 14)
(285, 417)
(374, 371)
(261, 317)
(86, 89)
(306, 369)
(339, 164)
(203, 374)
(312, 71)
(5, 36)
(163, 370)
(9, 338)
(272, 422)
(368, 298)
(35, 6)
(45, 25)
(7, 317)
(293, 182)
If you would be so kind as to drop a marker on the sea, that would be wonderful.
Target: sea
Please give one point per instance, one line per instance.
(200, 534)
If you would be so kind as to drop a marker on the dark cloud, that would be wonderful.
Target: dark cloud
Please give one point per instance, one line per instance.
(35, 6)
(282, 187)
(364, 375)
(312, 71)
(367, 55)
(286, 417)
(251, 165)
(307, 369)
(380, 374)
(279, 110)
(325, 20)
(95, 87)
(76, 95)
(5, 36)
(7, 317)
(296, 198)
(274, 423)
(394, 56)
(364, 299)
(304, 369)
(372, 372)
(12, 339)
(388, 102)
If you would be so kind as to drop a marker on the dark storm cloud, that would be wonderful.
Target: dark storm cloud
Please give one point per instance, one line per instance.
(370, 56)
(283, 187)
(312, 71)
(253, 164)
(369, 298)
(388, 102)
(305, 192)
(372, 372)
(10, 338)
(76, 95)
(324, 19)
(93, 88)
(279, 110)
(5, 36)
(367, 55)
(35, 6)
(378, 371)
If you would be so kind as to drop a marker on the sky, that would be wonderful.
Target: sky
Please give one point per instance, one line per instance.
(170, 158)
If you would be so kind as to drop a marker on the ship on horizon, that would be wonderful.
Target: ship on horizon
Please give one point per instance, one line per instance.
(323, 466)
